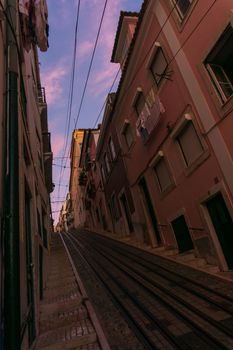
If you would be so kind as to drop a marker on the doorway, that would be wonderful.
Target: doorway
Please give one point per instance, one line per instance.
(150, 209)
(127, 213)
(183, 237)
(223, 225)
(41, 272)
(29, 264)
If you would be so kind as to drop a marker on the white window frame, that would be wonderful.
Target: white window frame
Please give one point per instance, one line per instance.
(103, 173)
(112, 148)
(107, 163)
(156, 48)
(187, 118)
(127, 126)
(155, 161)
(220, 91)
(180, 14)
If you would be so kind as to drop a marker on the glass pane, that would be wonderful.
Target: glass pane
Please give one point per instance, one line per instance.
(159, 65)
(183, 6)
(128, 136)
(140, 103)
(190, 144)
(222, 79)
(163, 175)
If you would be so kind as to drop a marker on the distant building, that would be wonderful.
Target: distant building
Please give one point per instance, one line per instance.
(25, 172)
(74, 188)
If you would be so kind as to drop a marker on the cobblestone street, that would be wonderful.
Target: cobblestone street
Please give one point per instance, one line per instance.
(66, 319)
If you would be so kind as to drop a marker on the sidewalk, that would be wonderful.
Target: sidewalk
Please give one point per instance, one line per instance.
(187, 258)
(67, 320)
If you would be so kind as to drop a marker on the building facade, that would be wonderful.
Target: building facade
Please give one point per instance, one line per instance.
(26, 170)
(173, 112)
(74, 188)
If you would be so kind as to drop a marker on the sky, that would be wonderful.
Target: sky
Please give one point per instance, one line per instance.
(55, 67)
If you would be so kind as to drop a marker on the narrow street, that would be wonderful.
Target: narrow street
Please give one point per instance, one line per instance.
(166, 305)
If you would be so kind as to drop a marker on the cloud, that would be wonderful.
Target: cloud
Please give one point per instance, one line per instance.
(57, 144)
(84, 48)
(104, 72)
(103, 79)
(52, 81)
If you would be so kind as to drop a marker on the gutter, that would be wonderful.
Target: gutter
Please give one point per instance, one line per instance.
(11, 225)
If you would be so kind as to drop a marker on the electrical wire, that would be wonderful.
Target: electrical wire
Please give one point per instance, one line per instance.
(150, 48)
(87, 78)
(71, 91)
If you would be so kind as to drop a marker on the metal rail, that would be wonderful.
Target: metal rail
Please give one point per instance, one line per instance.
(154, 289)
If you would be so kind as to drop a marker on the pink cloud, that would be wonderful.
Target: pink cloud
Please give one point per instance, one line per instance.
(103, 79)
(57, 144)
(84, 48)
(52, 81)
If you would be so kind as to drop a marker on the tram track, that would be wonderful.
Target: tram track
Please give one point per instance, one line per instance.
(104, 260)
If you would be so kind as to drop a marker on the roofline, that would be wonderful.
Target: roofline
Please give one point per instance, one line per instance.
(122, 15)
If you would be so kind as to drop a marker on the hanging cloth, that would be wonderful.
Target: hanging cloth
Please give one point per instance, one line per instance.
(41, 24)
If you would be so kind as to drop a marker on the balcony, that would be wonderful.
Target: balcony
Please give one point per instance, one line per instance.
(48, 158)
(41, 95)
(41, 99)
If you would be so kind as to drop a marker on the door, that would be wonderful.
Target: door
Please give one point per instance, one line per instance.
(223, 226)
(150, 208)
(29, 262)
(41, 272)
(1, 286)
(126, 212)
(182, 234)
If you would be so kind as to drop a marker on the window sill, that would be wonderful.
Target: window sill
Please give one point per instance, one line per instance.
(192, 167)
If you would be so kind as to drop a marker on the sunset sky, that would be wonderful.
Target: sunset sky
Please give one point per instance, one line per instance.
(56, 66)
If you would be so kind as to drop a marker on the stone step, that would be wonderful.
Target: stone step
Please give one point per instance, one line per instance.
(62, 318)
(61, 302)
(60, 282)
(70, 337)
(211, 268)
(170, 252)
(59, 292)
(186, 256)
(197, 262)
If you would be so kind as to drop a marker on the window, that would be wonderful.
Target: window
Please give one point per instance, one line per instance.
(107, 164)
(143, 113)
(97, 214)
(112, 148)
(115, 208)
(182, 7)
(159, 65)
(140, 104)
(163, 175)
(189, 143)
(128, 136)
(103, 173)
(219, 65)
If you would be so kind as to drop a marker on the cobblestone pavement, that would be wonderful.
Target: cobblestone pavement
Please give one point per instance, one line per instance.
(65, 321)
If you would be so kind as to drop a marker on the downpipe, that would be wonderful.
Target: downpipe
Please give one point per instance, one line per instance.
(11, 195)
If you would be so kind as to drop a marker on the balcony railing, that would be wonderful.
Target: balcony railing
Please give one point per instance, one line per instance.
(41, 94)
(46, 142)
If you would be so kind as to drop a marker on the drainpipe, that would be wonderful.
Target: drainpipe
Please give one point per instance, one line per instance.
(11, 231)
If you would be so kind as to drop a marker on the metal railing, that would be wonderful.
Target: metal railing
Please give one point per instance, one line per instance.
(46, 142)
(41, 94)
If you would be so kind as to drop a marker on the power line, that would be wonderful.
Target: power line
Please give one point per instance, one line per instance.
(88, 75)
(71, 90)
(90, 65)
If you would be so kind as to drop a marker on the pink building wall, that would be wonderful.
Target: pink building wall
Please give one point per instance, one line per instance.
(189, 89)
